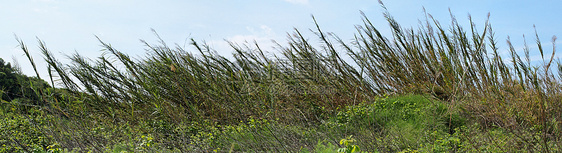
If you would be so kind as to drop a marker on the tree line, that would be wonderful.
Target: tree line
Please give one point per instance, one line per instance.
(15, 85)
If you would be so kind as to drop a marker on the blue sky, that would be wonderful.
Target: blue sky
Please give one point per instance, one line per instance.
(69, 26)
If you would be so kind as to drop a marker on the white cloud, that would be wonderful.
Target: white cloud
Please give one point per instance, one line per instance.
(297, 1)
(262, 35)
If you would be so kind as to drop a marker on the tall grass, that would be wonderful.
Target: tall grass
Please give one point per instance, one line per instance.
(303, 84)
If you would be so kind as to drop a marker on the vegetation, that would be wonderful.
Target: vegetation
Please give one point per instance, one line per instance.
(14, 84)
(429, 89)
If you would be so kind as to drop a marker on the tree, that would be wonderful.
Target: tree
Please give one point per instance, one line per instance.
(29, 87)
(8, 81)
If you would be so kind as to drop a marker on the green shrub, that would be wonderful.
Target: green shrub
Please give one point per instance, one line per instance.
(25, 133)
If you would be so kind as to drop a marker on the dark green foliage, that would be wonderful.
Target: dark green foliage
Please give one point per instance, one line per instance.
(8, 81)
(30, 88)
(16, 85)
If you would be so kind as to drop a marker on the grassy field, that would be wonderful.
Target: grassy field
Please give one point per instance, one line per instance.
(430, 89)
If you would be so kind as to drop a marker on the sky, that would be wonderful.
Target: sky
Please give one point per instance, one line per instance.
(71, 26)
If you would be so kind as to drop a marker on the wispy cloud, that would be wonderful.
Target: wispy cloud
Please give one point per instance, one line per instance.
(297, 1)
(262, 35)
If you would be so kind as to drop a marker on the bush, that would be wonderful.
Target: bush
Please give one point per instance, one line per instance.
(25, 133)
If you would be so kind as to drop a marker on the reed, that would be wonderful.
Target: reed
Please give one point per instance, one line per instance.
(302, 84)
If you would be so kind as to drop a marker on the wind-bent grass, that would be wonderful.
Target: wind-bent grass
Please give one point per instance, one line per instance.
(303, 85)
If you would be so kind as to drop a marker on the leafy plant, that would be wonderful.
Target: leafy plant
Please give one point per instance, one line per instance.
(349, 147)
